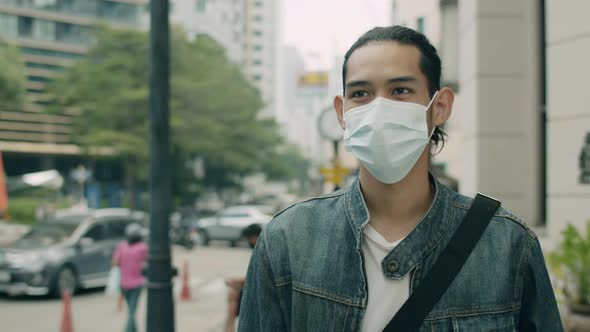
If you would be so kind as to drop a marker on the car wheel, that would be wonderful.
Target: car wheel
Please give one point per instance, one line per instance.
(65, 280)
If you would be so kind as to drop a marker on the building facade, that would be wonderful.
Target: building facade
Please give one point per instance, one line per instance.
(262, 52)
(222, 20)
(51, 36)
(523, 121)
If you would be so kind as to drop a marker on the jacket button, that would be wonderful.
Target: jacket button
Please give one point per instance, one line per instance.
(392, 266)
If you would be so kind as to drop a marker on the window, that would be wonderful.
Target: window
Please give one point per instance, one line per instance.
(257, 62)
(257, 77)
(258, 18)
(257, 33)
(96, 233)
(117, 228)
(25, 26)
(257, 47)
(420, 24)
(201, 6)
(258, 4)
(9, 25)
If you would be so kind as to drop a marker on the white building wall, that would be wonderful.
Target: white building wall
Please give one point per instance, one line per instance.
(262, 52)
(568, 51)
(222, 20)
(500, 98)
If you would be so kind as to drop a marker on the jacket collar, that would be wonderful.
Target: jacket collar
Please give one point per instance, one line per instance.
(424, 238)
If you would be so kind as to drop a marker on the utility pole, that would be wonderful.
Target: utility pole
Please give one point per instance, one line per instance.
(160, 306)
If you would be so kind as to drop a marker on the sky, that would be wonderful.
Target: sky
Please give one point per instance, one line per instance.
(324, 29)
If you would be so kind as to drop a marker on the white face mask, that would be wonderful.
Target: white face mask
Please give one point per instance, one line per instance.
(387, 136)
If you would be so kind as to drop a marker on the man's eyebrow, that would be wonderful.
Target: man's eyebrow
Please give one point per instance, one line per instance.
(352, 84)
(402, 79)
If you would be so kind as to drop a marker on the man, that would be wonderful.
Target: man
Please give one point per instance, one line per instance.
(236, 286)
(347, 261)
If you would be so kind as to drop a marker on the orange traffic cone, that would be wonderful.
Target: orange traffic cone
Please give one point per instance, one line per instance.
(185, 295)
(66, 322)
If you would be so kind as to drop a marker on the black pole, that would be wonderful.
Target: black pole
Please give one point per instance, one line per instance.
(543, 118)
(160, 305)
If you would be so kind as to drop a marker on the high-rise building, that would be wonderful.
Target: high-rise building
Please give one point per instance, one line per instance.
(222, 20)
(51, 35)
(261, 49)
(249, 31)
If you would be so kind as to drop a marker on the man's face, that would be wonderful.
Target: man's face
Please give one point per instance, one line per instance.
(385, 69)
(252, 239)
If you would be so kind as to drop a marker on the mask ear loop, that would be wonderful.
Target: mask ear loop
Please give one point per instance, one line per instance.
(426, 110)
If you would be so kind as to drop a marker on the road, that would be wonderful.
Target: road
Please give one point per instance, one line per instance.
(93, 311)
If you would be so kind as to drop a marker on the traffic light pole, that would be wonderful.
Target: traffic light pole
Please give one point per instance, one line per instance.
(160, 305)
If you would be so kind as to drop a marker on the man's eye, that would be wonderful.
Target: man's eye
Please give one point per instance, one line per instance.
(359, 94)
(401, 91)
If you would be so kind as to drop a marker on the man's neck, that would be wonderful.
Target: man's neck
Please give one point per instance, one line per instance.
(397, 208)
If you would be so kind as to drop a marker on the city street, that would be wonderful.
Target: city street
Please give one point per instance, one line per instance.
(94, 311)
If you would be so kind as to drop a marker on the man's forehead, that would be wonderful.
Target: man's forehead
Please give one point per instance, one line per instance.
(384, 60)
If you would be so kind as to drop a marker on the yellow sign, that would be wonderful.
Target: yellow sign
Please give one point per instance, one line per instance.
(313, 79)
(334, 175)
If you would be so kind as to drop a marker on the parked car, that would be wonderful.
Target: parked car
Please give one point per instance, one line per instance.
(69, 252)
(229, 223)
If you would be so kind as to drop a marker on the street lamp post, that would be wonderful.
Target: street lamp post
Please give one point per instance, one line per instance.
(330, 130)
(160, 306)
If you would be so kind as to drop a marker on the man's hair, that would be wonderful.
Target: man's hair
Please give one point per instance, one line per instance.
(429, 60)
(252, 230)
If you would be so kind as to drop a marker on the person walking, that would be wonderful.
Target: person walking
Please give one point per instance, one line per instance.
(130, 256)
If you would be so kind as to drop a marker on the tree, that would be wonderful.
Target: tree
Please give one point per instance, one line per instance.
(214, 110)
(12, 82)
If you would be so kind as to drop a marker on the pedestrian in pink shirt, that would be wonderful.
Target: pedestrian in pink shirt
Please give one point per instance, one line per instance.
(130, 257)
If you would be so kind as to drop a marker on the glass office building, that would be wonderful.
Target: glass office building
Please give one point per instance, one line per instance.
(52, 35)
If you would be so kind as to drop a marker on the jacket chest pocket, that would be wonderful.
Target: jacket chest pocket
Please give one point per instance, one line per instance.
(313, 311)
(503, 322)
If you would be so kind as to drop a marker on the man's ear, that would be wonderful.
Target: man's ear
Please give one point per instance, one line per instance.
(339, 108)
(442, 106)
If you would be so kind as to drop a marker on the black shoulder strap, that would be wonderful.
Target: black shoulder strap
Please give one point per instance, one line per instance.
(439, 278)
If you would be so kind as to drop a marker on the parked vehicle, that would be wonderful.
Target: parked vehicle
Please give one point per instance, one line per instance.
(69, 252)
(182, 234)
(229, 223)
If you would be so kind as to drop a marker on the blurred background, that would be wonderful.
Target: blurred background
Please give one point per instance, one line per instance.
(253, 130)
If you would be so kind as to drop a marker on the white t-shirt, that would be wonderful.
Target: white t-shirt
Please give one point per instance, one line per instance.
(386, 296)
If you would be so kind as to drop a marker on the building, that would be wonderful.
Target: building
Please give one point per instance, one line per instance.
(249, 30)
(52, 35)
(262, 52)
(222, 20)
(521, 67)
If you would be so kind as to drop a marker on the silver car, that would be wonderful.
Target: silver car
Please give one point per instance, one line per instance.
(67, 253)
(229, 223)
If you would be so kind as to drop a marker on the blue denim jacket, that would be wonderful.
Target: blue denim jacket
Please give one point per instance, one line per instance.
(307, 272)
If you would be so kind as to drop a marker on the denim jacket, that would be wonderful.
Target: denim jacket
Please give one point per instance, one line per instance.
(307, 270)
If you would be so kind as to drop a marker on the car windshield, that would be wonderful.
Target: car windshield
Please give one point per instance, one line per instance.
(46, 233)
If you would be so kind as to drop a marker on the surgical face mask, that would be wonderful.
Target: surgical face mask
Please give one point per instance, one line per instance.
(387, 136)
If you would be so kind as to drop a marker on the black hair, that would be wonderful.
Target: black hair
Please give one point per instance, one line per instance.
(252, 230)
(135, 238)
(430, 64)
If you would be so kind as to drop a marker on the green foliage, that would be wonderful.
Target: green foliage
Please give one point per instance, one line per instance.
(572, 258)
(12, 83)
(22, 210)
(214, 110)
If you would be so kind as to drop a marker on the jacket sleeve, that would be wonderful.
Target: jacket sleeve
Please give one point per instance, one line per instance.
(260, 310)
(539, 310)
